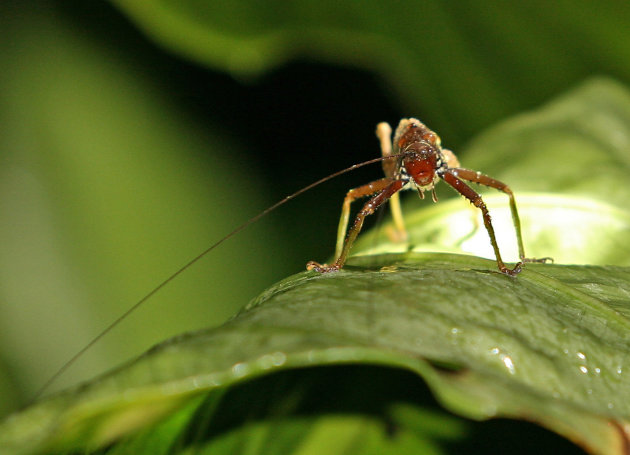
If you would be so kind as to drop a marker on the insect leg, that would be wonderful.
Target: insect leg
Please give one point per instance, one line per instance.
(351, 196)
(385, 188)
(384, 134)
(450, 177)
(478, 177)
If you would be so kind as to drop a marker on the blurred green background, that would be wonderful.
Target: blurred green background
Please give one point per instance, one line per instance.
(134, 134)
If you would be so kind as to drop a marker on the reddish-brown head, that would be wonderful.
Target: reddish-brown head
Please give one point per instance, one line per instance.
(421, 149)
(421, 162)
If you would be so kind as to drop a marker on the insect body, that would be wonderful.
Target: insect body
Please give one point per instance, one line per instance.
(421, 162)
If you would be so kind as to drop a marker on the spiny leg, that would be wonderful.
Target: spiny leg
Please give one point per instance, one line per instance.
(384, 134)
(478, 177)
(449, 176)
(387, 188)
(351, 196)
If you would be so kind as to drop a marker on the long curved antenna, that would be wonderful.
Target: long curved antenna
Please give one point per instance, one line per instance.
(189, 264)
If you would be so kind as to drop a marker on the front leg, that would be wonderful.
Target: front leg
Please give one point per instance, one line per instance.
(450, 177)
(352, 195)
(385, 188)
(482, 179)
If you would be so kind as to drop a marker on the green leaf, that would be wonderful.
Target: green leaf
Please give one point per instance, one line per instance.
(571, 230)
(575, 145)
(549, 346)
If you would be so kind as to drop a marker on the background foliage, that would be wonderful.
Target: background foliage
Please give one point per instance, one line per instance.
(136, 134)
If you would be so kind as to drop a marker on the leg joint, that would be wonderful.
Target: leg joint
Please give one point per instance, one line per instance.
(478, 202)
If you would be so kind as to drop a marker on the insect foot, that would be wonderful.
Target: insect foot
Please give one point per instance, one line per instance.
(545, 260)
(321, 268)
(511, 272)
